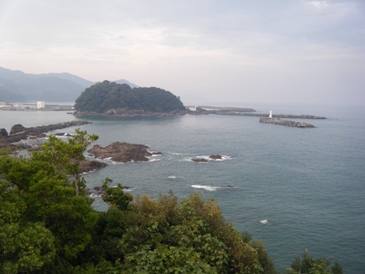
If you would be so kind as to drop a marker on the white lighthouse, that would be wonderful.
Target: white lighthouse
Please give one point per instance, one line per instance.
(270, 115)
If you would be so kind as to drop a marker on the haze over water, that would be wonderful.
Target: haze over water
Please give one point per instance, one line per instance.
(294, 188)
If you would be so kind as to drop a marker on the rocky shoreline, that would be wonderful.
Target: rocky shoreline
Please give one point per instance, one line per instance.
(132, 113)
(200, 110)
(287, 123)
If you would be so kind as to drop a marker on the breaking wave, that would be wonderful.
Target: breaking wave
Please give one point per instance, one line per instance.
(212, 188)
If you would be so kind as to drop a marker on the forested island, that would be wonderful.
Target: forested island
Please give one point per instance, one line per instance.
(110, 98)
(48, 225)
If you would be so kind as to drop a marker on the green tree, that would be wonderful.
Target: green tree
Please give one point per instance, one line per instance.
(24, 245)
(47, 206)
(115, 196)
(65, 157)
(165, 235)
(305, 264)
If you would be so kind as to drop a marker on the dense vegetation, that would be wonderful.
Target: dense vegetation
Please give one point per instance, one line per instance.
(106, 95)
(47, 225)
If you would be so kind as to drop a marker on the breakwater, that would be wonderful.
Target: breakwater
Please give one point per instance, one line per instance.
(19, 132)
(287, 123)
(289, 116)
(205, 110)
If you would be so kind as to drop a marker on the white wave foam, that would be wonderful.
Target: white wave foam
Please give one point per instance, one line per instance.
(265, 221)
(154, 160)
(214, 188)
(209, 188)
(224, 158)
(171, 177)
(129, 189)
(93, 195)
(207, 157)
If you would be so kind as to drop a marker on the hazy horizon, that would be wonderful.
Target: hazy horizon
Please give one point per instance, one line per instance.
(258, 52)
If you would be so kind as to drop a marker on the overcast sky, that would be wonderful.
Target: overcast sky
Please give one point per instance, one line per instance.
(283, 51)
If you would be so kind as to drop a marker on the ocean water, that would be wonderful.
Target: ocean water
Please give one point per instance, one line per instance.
(293, 188)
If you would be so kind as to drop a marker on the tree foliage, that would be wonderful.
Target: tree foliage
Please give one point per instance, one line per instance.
(106, 95)
(305, 264)
(52, 221)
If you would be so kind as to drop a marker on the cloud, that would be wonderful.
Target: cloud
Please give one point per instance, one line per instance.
(191, 46)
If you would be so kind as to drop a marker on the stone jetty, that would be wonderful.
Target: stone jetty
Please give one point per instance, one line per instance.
(287, 123)
(19, 132)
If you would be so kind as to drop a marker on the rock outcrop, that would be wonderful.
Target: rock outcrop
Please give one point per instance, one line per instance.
(215, 157)
(18, 128)
(204, 160)
(13, 148)
(87, 166)
(199, 160)
(121, 152)
(3, 132)
(288, 123)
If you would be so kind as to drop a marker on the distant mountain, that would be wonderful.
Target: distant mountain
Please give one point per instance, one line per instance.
(122, 81)
(17, 86)
(70, 77)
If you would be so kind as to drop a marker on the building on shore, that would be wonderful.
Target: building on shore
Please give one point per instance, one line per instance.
(41, 104)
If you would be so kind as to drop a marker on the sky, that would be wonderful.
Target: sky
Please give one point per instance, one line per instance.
(235, 51)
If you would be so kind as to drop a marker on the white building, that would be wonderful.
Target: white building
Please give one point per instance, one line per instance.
(41, 104)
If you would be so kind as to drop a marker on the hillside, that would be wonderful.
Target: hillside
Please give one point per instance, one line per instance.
(105, 96)
(17, 86)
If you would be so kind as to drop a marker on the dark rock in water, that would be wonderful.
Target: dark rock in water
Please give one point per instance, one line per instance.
(203, 160)
(121, 152)
(17, 129)
(95, 191)
(3, 132)
(13, 148)
(156, 153)
(86, 165)
(215, 157)
(228, 186)
(199, 160)
(63, 134)
(288, 123)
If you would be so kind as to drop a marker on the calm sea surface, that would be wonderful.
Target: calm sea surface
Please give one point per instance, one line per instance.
(294, 188)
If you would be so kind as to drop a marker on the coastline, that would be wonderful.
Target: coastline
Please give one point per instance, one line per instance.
(206, 110)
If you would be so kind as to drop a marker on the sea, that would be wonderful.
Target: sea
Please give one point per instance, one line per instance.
(294, 188)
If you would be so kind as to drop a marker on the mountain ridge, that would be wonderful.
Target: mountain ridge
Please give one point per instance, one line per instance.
(17, 86)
